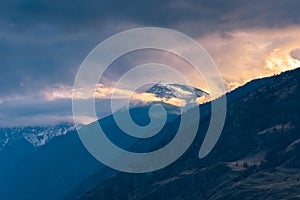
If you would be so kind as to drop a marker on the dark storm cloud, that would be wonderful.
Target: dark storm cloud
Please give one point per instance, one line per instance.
(44, 42)
(75, 14)
(296, 54)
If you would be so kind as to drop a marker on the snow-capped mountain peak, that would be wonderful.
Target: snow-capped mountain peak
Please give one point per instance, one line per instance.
(174, 90)
(37, 136)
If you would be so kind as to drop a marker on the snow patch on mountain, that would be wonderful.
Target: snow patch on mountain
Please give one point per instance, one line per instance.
(174, 90)
(37, 136)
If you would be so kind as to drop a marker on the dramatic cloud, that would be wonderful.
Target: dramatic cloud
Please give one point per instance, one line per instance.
(246, 54)
(42, 43)
(103, 92)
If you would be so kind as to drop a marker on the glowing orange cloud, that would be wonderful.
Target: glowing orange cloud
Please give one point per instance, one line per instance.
(280, 59)
(149, 97)
(203, 99)
(241, 55)
(58, 91)
(247, 54)
(103, 92)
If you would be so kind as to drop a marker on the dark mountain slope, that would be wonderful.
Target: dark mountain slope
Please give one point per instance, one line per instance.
(63, 162)
(257, 155)
(47, 172)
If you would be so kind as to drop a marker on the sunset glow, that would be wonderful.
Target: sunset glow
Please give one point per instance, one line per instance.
(246, 54)
(280, 60)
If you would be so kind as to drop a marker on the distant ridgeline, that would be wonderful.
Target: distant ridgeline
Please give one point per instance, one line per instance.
(259, 149)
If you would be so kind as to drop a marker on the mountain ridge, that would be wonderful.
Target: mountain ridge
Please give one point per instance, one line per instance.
(51, 166)
(258, 145)
(35, 135)
(175, 90)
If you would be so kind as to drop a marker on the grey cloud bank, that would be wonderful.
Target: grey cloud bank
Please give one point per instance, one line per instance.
(42, 43)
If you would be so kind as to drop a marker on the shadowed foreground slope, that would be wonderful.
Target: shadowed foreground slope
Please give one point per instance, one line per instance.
(257, 156)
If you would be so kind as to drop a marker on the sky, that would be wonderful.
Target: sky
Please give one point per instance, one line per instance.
(43, 43)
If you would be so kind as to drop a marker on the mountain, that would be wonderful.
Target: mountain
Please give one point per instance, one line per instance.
(64, 168)
(37, 136)
(180, 91)
(58, 166)
(63, 162)
(257, 155)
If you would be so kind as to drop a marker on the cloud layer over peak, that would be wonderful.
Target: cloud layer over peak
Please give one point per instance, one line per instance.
(43, 43)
